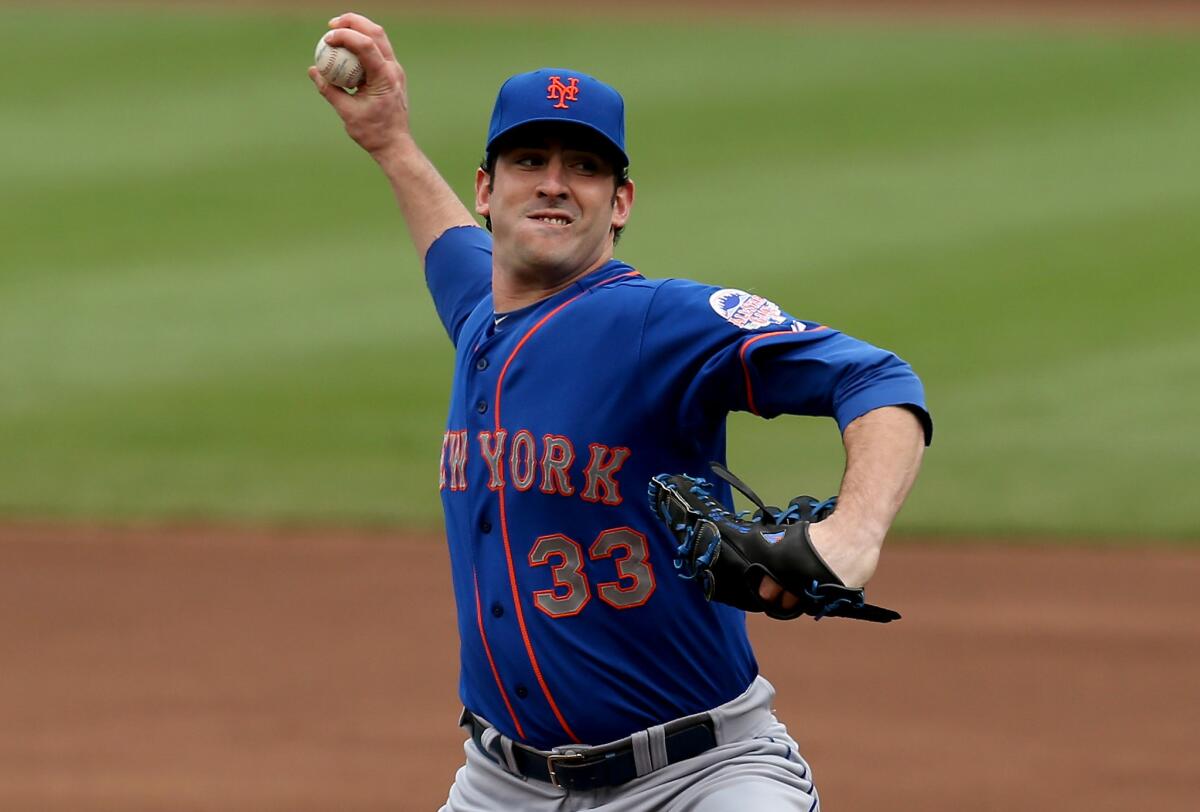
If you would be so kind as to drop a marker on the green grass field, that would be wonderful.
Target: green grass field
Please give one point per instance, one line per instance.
(209, 308)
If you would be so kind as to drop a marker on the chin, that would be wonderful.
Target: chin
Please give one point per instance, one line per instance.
(549, 267)
(547, 258)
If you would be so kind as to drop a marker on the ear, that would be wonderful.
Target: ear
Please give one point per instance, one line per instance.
(483, 195)
(622, 204)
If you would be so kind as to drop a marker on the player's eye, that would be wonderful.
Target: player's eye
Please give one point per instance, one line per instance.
(529, 160)
(584, 164)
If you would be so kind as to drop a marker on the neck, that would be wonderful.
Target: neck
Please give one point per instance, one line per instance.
(514, 290)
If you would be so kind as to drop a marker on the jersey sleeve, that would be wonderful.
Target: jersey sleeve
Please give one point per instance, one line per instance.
(712, 351)
(458, 272)
(830, 374)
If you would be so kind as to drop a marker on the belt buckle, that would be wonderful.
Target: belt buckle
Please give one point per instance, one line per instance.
(555, 757)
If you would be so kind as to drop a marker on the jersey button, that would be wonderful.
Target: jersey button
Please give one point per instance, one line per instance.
(522, 691)
(481, 364)
(485, 526)
(497, 610)
(481, 406)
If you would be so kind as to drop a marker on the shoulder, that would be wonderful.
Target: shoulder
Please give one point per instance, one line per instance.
(723, 309)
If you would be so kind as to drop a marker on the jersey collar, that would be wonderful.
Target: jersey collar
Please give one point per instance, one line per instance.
(609, 270)
(597, 278)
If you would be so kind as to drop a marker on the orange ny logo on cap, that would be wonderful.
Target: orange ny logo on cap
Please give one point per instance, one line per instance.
(563, 93)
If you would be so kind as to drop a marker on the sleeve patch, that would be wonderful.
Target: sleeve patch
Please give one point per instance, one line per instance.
(750, 312)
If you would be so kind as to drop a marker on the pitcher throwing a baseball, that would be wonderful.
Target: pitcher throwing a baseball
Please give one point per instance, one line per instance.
(593, 675)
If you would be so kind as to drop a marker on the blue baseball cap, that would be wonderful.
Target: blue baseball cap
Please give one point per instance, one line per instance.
(559, 95)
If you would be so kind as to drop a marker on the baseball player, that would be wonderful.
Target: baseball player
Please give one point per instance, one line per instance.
(593, 677)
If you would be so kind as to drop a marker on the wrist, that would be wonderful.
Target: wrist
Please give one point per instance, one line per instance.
(397, 153)
(854, 533)
(848, 548)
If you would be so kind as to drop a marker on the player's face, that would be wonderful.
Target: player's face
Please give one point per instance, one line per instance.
(554, 205)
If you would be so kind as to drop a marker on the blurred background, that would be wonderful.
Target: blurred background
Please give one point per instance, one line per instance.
(211, 317)
(209, 306)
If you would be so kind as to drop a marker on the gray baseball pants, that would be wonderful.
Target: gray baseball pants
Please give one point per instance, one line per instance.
(756, 765)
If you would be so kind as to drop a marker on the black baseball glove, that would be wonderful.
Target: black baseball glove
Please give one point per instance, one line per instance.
(731, 553)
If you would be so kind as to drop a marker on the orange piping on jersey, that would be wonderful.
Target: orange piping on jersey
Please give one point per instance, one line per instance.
(488, 651)
(746, 369)
(512, 574)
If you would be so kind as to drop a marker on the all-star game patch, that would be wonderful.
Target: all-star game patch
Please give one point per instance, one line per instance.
(750, 312)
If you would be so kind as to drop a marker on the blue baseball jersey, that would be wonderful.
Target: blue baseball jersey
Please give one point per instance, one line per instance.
(574, 626)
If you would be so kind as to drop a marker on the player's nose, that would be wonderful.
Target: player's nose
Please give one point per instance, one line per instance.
(553, 179)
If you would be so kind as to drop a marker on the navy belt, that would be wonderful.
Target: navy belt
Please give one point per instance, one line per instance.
(596, 767)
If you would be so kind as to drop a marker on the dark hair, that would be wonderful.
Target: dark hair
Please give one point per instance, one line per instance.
(620, 174)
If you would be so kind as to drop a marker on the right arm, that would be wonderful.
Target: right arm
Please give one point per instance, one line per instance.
(377, 118)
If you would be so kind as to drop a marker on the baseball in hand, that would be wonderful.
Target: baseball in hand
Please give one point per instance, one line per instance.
(338, 66)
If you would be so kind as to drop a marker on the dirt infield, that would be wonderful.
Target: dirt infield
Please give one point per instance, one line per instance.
(154, 669)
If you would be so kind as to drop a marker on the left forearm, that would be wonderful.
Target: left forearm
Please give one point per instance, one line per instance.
(883, 454)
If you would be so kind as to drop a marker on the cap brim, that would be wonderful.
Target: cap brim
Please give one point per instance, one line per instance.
(558, 120)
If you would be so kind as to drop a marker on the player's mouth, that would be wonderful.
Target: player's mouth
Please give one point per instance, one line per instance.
(552, 218)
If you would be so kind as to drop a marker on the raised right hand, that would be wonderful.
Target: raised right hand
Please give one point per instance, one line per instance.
(376, 116)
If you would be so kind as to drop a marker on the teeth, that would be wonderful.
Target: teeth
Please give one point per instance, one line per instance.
(558, 221)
